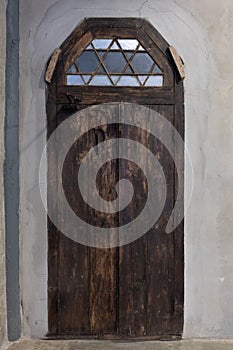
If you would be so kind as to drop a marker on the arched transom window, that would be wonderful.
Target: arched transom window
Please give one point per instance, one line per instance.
(115, 62)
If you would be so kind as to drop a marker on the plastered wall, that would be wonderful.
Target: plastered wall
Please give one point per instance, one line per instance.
(201, 31)
(2, 156)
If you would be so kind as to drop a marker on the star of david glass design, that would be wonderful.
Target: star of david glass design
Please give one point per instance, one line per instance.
(115, 62)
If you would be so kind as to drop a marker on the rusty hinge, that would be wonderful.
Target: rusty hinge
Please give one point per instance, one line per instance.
(178, 62)
(72, 98)
(52, 65)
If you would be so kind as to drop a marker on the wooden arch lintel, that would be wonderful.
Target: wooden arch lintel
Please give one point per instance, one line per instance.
(52, 65)
(178, 62)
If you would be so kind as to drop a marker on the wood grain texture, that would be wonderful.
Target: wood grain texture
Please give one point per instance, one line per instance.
(102, 94)
(135, 291)
(178, 62)
(52, 65)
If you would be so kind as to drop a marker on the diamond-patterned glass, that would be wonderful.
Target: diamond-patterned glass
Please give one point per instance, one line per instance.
(142, 63)
(115, 62)
(128, 44)
(101, 43)
(87, 62)
(72, 69)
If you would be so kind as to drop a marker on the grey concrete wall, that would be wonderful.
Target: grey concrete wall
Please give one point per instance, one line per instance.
(11, 170)
(2, 156)
(202, 32)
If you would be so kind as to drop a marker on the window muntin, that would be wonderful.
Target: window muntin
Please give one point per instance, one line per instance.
(115, 62)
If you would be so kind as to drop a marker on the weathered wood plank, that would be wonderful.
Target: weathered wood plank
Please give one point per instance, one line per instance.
(135, 291)
(97, 95)
(52, 65)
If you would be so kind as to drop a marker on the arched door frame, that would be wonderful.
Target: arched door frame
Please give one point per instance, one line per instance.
(60, 95)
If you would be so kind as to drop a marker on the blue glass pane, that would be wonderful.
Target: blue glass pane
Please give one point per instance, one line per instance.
(89, 47)
(157, 70)
(156, 80)
(142, 78)
(128, 80)
(129, 54)
(142, 63)
(128, 44)
(101, 53)
(101, 43)
(115, 62)
(72, 69)
(101, 70)
(128, 70)
(87, 62)
(100, 80)
(86, 78)
(141, 48)
(115, 46)
(74, 80)
(115, 78)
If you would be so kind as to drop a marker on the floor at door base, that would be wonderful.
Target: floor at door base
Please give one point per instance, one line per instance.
(110, 345)
(114, 337)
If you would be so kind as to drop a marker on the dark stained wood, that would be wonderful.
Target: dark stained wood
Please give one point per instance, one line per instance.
(77, 49)
(179, 232)
(87, 276)
(136, 291)
(102, 94)
(51, 109)
(103, 262)
(147, 266)
(73, 274)
(155, 36)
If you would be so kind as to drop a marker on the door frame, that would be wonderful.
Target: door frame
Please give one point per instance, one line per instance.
(58, 93)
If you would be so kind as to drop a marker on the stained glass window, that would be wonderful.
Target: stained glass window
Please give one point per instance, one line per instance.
(115, 62)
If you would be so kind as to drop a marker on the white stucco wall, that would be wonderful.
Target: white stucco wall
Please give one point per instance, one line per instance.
(201, 31)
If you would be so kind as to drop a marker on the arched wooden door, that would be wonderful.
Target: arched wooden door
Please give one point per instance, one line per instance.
(135, 290)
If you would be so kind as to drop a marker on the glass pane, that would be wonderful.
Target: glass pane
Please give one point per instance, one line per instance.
(157, 70)
(87, 62)
(74, 80)
(86, 78)
(129, 54)
(115, 62)
(101, 53)
(142, 63)
(89, 47)
(101, 43)
(101, 70)
(128, 70)
(141, 48)
(115, 78)
(115, 46)
(72, 69)
(128, 80)
(128, 44)
(100, 80)
(156, 80)
(142, 78)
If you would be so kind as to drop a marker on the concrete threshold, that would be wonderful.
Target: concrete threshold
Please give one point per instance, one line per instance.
(112, 345)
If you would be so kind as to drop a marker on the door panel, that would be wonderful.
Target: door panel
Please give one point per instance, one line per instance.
(128, 291)
(136, 290)
(87, 293)
(147, 266)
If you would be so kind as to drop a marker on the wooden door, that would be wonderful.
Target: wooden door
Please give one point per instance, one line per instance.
(135, 290)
